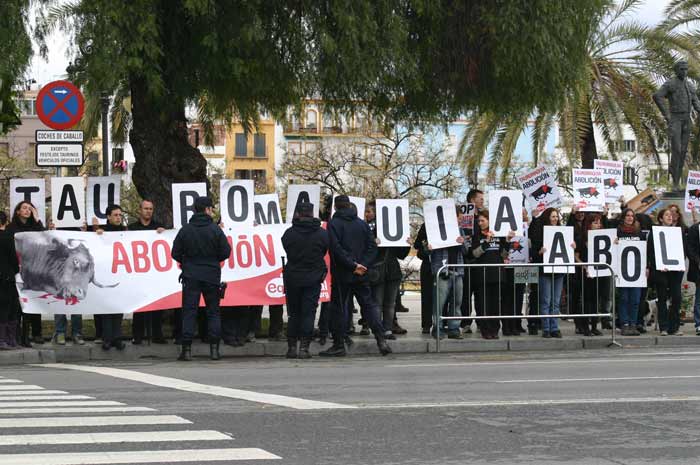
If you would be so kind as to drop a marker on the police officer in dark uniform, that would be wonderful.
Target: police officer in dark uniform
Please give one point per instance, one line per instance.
(353, 250)
(200, 246)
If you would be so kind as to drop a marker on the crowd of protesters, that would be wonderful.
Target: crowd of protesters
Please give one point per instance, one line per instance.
(370, 275)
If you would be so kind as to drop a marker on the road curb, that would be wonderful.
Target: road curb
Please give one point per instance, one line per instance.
(50, 353)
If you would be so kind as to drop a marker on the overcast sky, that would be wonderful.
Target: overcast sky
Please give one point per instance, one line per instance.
(42, 71)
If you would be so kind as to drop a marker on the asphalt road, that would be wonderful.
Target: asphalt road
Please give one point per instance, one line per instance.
(592, 407)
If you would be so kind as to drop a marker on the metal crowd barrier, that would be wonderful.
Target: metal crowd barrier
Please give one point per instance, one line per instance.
(534, 271)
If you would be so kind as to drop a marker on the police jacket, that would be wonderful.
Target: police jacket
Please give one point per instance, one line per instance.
(351, 243)
(306, 245)
(200, 246)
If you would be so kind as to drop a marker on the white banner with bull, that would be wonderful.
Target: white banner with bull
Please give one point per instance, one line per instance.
(123, 272)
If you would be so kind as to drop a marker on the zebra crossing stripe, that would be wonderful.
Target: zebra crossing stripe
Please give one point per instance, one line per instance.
(40, 397)
(128, 457)
(24, 387)
(9, 381)
(17, 411)
(188, 386)
(118, 437)
(66, 422)
(69, 403)
(31, 393)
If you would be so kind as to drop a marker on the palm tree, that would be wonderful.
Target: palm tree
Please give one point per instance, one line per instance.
(614, 90)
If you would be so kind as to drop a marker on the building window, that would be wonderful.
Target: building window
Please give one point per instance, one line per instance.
(241, 174)
(27, 107)
(241, 146)
(311, 119)
(260, 179)
(626, 146)
(360, 121)
(658, 175)
(312, 147)
(117, 154)
(294, 148)
(196, 137)
(259, 145)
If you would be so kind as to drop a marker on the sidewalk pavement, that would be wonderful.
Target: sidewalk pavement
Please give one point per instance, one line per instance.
(411, 343)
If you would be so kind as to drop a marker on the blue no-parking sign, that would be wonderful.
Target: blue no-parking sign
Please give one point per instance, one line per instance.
(60, 105)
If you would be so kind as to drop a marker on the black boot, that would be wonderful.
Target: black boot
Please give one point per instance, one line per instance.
(382, 345)
(336, 350)
(214, 351)
(185, 353)
(304, 348)
(291, 347)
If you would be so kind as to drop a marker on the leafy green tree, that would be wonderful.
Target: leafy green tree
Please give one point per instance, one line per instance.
(614, 89)
(233, 59)
(16, 53)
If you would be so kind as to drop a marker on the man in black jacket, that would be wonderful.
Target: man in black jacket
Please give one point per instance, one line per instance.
(305, 244)
(112, 322)
(151, 320)
(200, 246)
(353, 250)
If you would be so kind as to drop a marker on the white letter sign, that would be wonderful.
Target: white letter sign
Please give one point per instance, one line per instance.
(632, 263)
(68, 202)
(668, 248)
(102, 191)
(393, 227)
(297, 193)
(267, 209)
(441, 223)
(30, 190)
(184, 195)
(505, 212)
(557, 242)
(236, 200)
(601, 249)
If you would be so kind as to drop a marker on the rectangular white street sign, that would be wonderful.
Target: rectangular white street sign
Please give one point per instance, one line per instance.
(59, 155)
(43, 136)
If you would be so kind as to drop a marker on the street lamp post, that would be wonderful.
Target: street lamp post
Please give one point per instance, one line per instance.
(104, 100)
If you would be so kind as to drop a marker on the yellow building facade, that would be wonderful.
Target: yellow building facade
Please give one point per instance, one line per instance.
(252, 156)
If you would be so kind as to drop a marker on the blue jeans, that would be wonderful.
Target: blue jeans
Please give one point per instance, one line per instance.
(629, 305)
(76, 324)
(551, 286)
(696, 311)
(449, 290)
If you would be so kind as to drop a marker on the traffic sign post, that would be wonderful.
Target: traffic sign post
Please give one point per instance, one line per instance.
(60, 106)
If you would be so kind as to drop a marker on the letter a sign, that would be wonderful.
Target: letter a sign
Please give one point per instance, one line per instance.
(505, 212)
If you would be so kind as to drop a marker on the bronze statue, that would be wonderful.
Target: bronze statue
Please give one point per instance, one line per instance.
(682, 99)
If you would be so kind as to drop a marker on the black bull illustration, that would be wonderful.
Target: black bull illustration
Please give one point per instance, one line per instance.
(57, 267)
(541, 192)
(588, 192)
